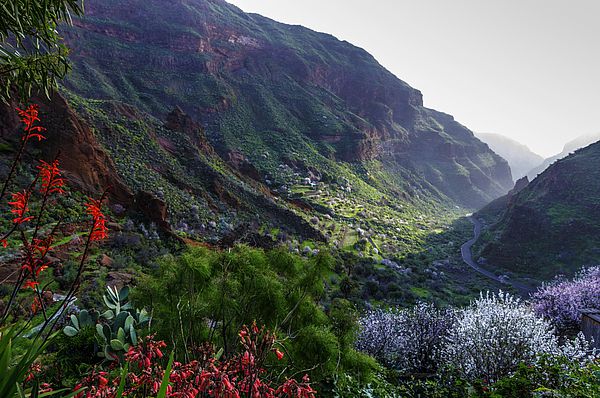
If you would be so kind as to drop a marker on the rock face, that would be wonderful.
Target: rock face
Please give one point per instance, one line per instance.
(178, 120)
(552, 224)
(252, 81)
(239, 162)
(153, 208)
(84, 162)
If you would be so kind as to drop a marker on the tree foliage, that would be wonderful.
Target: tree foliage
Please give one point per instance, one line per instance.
(32, 56)
(409, 339)
(209, 295)
(497, 332)
(562, 300)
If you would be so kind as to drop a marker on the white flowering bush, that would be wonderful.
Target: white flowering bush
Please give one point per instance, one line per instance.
(409, 340)
(561, 300)
(497, 332)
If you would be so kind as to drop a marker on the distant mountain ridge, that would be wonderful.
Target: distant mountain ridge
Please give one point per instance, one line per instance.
(569, 147)
(261, 87)
(520, 158)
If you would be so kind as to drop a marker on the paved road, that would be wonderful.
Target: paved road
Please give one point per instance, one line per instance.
(467, 256)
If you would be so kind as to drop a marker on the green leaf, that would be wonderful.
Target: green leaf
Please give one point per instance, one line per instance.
(119, 321)
(121, 336)
(100, 331)
(108, 303)
(70, 395)
(119, 393)
(70, 331)
(84, 319)
(116, 345)
(75, 321)
(124, 293)
(108, 315)
(162, 393)
(143, 317)
(129, 322)
(133, 335)
(107, 331)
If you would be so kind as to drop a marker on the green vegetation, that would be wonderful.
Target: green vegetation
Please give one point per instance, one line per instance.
(208, 295)
(32, 56)
(552, 225)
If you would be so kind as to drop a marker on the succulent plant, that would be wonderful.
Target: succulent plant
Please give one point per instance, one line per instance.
(81, 320)
(117, 327)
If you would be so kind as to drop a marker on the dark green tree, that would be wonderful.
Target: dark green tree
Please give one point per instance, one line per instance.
(32, 56)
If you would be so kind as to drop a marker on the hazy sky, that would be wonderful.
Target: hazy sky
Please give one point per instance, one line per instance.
(527, 69)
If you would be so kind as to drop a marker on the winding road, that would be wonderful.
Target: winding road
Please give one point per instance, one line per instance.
(467, 256)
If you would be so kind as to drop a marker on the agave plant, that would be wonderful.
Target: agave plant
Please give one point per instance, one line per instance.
(117, 327)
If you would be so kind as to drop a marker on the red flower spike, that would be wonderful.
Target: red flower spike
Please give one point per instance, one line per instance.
(52, 182)
(29, 116)
(30, 285)
(20, 207)
(99, 230)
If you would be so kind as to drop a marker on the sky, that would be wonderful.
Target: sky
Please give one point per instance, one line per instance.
(526, 69)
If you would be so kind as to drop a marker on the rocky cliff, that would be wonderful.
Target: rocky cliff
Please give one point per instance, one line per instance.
(261, 87)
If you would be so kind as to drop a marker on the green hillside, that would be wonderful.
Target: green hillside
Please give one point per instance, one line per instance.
(553, 224)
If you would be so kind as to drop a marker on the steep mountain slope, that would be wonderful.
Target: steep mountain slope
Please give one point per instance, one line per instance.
(276, 93)
(551, 225)
(569, 147)
(520, 158)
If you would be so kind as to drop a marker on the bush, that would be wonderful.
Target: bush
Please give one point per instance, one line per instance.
(551, 377)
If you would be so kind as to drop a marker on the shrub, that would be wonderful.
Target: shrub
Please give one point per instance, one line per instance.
(553, 377)
(207, 295)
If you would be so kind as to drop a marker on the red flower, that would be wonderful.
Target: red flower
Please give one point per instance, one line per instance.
(279, 354)
(34, 370)
(36, 305)
(52, 182)
(99, 229)
(34, 268)
(31, 285)
(20, 207)
(29, 116)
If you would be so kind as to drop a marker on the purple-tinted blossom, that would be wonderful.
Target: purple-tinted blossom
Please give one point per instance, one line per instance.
(561, 300)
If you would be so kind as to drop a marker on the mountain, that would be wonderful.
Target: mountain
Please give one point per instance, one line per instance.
(569, 147)
(551, 225)
(226, 127)
(258, 86)
(520, 158)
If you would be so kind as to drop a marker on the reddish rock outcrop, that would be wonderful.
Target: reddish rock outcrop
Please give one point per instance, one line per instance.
(84, 162)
